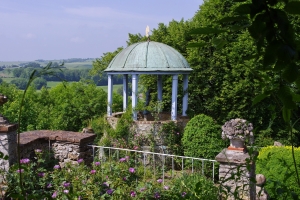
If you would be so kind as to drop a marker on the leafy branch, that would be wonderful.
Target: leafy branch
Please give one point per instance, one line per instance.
(47, 70)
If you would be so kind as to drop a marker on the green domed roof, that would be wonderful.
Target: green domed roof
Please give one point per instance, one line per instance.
(149, 57)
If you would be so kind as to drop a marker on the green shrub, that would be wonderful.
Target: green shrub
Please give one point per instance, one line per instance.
(123, 126)
(202, 138)
(196, 186)
(276, 163)
(172, 135)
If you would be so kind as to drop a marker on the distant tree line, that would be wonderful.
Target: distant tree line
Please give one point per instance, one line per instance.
(71, 75)
(69, 60)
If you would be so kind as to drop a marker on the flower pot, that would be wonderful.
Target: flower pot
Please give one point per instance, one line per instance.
(237, 144)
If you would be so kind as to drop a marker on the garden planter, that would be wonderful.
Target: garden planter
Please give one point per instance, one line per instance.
(237, 144)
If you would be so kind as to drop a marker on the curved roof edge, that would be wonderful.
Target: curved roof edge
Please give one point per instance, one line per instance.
(148, 58)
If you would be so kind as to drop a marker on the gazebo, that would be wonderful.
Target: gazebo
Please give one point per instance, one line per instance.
(152, 58)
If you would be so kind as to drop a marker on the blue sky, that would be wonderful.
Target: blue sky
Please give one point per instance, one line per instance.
(61, 29)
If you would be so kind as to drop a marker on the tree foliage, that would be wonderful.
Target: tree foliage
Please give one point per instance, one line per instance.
(67, 106)
(225, 81)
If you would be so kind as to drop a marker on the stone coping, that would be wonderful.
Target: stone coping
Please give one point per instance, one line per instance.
(232, 156)
(63, 136)
(165, 118)
(6, 128)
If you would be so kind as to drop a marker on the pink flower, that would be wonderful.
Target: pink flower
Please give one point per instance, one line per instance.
(105, 184)
(93, 171)
(159, 180)
(183, 194)
(66, 191)
(54, 195)
(131, 170)
(135, 147)
(24, 161)
(41, 174)
(38, 150)
(166, 187)
(20, 170)
(97, 163)
(156, 195)
(122, 159)
(109, 191)
(80, 160)
(56, 167)
(66, 184)
(132, 193)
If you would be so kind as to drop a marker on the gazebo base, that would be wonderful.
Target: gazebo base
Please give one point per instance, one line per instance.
(149, 120)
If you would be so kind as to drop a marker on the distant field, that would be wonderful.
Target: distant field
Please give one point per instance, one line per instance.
(79, 65)
(69, 65)
(8, 80)
(51, 84)
(115, 89)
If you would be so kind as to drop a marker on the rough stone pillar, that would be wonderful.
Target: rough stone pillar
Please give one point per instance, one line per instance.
(234, 175)
(8, 143)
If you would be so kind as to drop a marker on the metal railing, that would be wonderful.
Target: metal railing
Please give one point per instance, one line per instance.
(144, 158)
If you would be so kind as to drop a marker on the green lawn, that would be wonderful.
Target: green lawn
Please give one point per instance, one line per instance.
(115, 89)
(51, 84)
(8, 80)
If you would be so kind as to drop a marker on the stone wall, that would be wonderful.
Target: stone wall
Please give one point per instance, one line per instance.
(8, 143)
(148, 125)
(66, 146)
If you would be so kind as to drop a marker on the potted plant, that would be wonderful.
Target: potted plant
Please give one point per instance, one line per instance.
(237, 131)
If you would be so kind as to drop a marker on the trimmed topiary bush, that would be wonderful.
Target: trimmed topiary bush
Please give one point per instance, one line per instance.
(202, 138)
(276, 164)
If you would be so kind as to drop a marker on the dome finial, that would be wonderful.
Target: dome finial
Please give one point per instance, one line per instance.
(147, 33)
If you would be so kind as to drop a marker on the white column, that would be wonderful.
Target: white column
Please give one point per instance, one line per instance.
(159, 88)
(134, 95)
(125, 91)
(174, 97)
(185, 94)
(109, 94)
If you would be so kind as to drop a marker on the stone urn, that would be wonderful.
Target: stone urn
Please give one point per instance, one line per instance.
(237, 144)
(237, 131)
